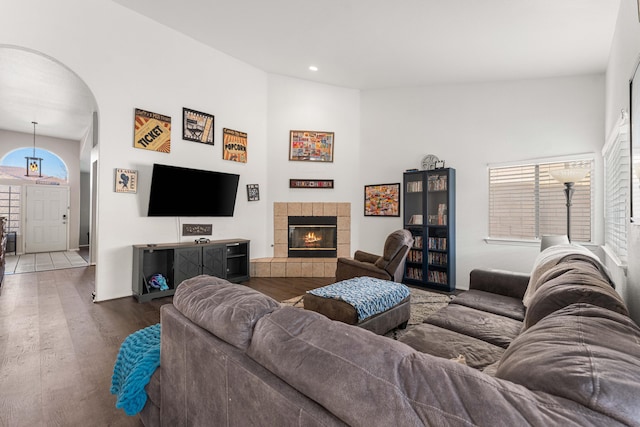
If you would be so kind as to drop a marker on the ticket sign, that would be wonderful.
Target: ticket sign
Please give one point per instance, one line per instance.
(152, 131)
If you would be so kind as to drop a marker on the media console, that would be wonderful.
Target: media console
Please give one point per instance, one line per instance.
(227, 259)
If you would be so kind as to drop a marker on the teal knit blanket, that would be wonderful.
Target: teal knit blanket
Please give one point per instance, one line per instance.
(137, 360)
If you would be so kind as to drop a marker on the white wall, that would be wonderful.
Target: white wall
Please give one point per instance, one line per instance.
(69, 152)
(470, 126)
(129, 61)
(625, 52)
(301, 105)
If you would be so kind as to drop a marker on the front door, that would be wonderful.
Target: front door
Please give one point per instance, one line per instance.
(46, 218)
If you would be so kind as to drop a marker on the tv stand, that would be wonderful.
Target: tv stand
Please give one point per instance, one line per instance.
(227, 259)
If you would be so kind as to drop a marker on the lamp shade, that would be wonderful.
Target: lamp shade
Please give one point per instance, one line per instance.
(569, 174)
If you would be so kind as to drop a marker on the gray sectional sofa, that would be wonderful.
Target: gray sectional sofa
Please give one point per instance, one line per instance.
(231, 356)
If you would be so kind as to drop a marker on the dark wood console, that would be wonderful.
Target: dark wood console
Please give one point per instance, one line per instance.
(227, 259)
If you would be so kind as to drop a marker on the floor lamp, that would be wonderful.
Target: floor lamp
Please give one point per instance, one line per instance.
(568, 177)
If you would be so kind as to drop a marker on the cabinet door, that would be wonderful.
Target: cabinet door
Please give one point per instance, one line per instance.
(440, 223)
(214, 260)
(187, 264)
(414, 221)
(413, 199)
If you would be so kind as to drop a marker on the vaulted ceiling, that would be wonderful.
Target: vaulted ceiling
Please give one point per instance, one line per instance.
(361, 44)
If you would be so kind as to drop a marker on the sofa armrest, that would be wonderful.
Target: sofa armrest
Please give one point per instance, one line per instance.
(502, 282)
(365, 257)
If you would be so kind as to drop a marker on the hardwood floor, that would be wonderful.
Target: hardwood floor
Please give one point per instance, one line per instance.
(57, 347)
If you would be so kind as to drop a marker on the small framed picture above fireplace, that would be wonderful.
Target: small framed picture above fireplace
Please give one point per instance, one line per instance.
(311, 183)
(382, 200)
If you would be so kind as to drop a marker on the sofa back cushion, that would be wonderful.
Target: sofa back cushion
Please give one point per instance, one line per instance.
(584, 353)
(226, 310)
(392, 245)
(554, 255)
(568, 283)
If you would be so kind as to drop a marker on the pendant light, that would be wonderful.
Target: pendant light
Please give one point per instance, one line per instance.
(34, 164)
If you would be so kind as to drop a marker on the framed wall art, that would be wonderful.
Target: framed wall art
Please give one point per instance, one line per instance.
(234, 145)
(310, 183)
(197, 229)
(197, 126)
(382, 200)
(253, 192)
(311, 146)
(152, 131)
(126, 181)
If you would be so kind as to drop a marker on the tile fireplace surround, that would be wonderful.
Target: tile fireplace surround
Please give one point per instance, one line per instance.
(282, 266)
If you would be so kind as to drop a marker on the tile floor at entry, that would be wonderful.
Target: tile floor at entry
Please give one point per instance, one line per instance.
(28, 263)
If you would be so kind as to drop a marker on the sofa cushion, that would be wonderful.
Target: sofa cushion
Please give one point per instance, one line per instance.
(569, 283)
(448, 344)
(584, 353)
(227, 310)
(493, 303)
(554, 255)
(485, 326)
(366, 379)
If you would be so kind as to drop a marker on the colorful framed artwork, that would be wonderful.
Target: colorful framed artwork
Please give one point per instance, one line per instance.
(382, 200)
(234, 145)
(126, 181)
(152, 131)
(311, 146)
(197, 126)
(311, 183)
(253, 192)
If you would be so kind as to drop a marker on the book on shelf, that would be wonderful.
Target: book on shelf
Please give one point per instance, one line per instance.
(415, 220)
(442, 214)
(414, 273)
(437, 258)
(437, 243)
(437, 277)
(414, 187)
(437, 183)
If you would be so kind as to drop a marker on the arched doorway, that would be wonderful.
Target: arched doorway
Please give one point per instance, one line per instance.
(39, 88)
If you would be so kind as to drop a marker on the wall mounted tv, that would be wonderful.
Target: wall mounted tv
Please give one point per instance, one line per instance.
(177, 191)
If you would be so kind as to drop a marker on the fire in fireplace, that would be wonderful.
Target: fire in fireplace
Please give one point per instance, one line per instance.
(312, 237)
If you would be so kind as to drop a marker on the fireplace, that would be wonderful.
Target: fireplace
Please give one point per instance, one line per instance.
(312, 236)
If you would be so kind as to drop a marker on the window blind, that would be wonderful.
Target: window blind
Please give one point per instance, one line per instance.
(617, 169)
(526, 202)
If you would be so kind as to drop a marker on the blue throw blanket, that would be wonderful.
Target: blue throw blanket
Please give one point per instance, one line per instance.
(368, 295)
(137, 360)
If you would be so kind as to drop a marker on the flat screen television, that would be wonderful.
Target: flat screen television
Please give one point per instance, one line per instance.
(177, 191)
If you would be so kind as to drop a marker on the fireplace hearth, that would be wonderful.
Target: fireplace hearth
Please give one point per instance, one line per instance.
(312, 237)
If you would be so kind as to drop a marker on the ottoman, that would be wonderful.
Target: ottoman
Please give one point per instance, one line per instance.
(370, 303)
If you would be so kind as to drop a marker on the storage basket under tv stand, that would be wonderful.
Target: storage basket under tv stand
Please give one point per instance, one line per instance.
(227, 259)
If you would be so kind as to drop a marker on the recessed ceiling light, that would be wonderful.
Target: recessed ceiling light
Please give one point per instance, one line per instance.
(313, 68)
